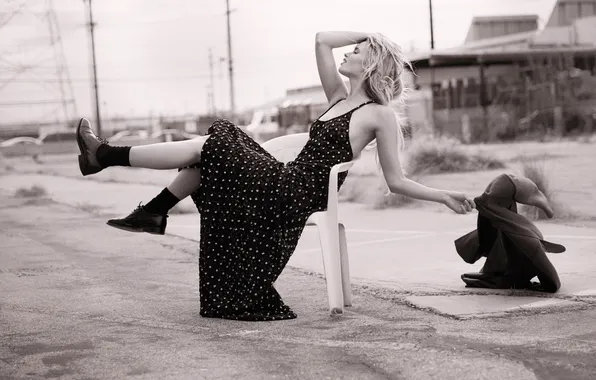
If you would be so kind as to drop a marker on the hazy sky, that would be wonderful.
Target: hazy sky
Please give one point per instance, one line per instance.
(152, 55)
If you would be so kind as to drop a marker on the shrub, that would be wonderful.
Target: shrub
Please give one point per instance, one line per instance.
(445, 155)
(34, 191)
(534, 170)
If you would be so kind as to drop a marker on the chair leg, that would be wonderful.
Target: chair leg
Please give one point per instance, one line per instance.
(345, 266)
(332, 268)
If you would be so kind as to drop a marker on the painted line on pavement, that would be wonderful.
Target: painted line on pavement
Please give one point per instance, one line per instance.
(387, 231)
(432, 232)
(426, 232)
(464, 231)
(578, 237)
(360, 243)
(412, 232)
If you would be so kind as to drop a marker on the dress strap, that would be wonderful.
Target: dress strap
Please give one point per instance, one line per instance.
(331, 106)
(362, 105)
(343, 114)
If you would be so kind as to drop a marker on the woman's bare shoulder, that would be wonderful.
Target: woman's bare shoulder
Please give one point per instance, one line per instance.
(377, 115)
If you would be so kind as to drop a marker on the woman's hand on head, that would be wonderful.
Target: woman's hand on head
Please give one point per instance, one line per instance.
(458, 202)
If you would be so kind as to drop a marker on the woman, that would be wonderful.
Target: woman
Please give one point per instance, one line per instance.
(254, 208)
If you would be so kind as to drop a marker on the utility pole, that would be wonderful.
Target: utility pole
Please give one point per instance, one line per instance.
(208, 99)
(230, 64)
(91, 27)
(221, 77)
(212, 109)
(432, 33)
(430, 63)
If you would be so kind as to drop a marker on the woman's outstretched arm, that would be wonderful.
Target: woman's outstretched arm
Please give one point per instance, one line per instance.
(387, 144)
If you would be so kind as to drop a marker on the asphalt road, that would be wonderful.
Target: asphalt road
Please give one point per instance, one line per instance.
(83, 301)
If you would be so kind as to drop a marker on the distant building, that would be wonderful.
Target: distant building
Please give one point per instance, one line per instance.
(485, 27)
(295, 112)
(506, 73)
(567, 12)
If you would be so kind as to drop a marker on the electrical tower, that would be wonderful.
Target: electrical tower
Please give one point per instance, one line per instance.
(35, 85)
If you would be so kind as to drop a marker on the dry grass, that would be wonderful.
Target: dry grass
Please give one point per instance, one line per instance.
(423, 156)
(34, 191)
(587, 139)
(370, 190)
(428, 155)
(391, 200)
(88, 207)
(5, 167)
(535, 170)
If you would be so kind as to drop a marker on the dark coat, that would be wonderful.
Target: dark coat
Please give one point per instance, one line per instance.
(513, 245)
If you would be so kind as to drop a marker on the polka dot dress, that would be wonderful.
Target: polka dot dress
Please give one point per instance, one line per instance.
(253, 210)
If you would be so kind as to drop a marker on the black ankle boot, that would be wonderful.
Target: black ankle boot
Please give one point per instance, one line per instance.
(141, 221)
(88, 143)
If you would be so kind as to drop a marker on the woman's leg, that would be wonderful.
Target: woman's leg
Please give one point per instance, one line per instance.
(168, 155)
(152, 217)
(185, 183)
(96, 154)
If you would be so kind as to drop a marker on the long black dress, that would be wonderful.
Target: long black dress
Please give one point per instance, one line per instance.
(253, 210)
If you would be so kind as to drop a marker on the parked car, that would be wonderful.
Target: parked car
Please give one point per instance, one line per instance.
(20, 141)
(129, 135)
(58, 136)
(173, 135)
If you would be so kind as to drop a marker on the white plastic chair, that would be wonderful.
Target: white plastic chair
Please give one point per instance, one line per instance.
(332, 233)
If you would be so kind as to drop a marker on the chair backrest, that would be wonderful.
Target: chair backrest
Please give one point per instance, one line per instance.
(286, 148)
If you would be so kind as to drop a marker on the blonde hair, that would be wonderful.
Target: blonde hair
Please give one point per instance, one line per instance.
(384, 64)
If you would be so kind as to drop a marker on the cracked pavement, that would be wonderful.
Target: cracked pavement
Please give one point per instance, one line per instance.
(80, 300)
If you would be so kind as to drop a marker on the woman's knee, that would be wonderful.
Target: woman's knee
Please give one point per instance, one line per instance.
(189, 169)
(199, 143)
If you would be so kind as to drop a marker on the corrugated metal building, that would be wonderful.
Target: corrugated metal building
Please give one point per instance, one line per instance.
(507, 71)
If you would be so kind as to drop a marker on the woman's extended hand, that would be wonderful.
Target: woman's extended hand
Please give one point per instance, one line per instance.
(458, 202)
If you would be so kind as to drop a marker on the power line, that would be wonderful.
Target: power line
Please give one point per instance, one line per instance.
(110, 80)
(131, 23)
(264, 72)
(34, 102)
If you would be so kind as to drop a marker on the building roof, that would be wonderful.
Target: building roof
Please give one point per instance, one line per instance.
(309, 95)
(527, 17)
(506, 29)
(465, 58)
(578, 38)
(484, 27)
(304, 96)
(555, 36)
(565, 12)
(500, 42)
